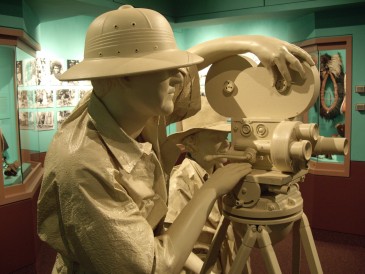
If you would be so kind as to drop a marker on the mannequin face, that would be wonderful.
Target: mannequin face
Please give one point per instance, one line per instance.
(211, 142)
(56, 69)
(153, 93)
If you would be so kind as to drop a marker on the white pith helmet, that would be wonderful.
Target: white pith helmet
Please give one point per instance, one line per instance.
(129, 41)
(205, 119)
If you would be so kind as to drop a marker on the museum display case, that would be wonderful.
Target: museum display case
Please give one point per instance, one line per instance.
(332, 110)
(21, 169)
(37, 104)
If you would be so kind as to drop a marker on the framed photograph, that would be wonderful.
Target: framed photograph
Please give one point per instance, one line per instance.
(25, 98)
(44, 120)
(44, 98)
(26, 120)
(61, 116)
(19, 73)
(43, 72)
(66, 97)
(83, 92)
(30, 72)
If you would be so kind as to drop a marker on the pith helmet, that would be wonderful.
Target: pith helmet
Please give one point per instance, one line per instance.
(129, 41)
(205, 119)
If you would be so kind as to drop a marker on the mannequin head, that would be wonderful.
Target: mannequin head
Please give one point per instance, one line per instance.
(56, 68)
(135, 72)
(203, 134)
(150, 94)
(204, 143)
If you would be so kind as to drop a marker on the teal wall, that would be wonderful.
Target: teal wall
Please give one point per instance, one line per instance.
(65, 38)
(18, 15)
(288, 28)
(31, 22)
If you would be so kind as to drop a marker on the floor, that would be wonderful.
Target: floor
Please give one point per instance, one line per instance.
(339, 254)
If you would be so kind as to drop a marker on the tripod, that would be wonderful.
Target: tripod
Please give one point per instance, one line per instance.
(271, 218)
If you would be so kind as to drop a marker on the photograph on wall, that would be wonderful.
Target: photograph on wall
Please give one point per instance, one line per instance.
(44, 120)
(30, 72)
(66, 97)
(25, 98)
(19, 73)
(61, 116)
(43, 72)
(83, 92)
(71, 63)
(44, 98)
(56, 69)
(26, 120)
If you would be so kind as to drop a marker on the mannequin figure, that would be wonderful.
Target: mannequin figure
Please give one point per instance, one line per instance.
(103, 197)
(202, 135)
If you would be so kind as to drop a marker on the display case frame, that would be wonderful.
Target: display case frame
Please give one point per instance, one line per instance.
(315, 47)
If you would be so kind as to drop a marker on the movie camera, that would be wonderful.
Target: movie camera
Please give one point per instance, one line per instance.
(267, 131)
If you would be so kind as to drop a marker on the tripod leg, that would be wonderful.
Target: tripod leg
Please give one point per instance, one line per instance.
(296, 252)
(309, 246)
(244, 251)
(215, 246)
(267, 251)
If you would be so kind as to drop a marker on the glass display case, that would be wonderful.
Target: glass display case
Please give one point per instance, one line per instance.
(21, 169)
(332, 111)
(33, 105)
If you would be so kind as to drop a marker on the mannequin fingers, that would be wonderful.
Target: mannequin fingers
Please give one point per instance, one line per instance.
(295, 64)
(300, 53)
(284, 71)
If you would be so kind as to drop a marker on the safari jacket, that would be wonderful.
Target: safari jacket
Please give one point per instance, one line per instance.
(103, 197)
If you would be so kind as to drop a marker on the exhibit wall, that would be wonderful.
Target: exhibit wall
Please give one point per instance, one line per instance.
(64, 39)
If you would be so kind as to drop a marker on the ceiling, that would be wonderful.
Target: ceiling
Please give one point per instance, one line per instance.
(187, 11)
(47, 10)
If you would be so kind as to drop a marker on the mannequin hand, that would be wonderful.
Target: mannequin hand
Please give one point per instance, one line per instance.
(225, 178)
(275, 55)
(278, 55)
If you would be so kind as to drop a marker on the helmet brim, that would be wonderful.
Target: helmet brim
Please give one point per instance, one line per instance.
(92, 68)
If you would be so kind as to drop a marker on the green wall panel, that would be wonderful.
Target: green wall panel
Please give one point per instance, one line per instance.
(11, 7)
(193, 8)
(288, 28)
(31, 22)
(65, 37)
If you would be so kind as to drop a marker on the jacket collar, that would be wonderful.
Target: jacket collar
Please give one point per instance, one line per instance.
(126, 150)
